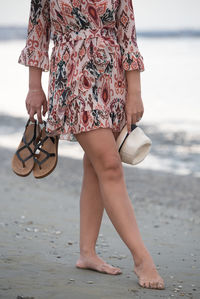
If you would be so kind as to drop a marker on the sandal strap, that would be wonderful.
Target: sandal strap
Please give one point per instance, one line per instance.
(39, 146)
(45, 159)
(27, 144)
(42, 141)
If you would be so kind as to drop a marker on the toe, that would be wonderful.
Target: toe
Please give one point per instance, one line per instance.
(150, 284)
(161, 285)
(142, 283)
(146, 284)
(110, 269)
(117, 271)
(154, 285)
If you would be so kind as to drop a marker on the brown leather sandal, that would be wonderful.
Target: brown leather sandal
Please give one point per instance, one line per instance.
(47, 158)
(23, 159)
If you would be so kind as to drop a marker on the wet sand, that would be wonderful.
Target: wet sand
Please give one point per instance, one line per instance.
(39, 233)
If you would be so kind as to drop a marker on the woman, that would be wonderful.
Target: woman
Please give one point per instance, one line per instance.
(94, 90)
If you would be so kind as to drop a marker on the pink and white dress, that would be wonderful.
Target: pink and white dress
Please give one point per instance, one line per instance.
(94, 45)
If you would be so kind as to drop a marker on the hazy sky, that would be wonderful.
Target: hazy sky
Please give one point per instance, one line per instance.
(150, 14)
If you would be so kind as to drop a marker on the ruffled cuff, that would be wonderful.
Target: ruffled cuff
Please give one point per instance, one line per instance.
(132, 61)
(33, 57)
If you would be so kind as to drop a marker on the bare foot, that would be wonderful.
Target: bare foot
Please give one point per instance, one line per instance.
(148, 275)
(97, 264)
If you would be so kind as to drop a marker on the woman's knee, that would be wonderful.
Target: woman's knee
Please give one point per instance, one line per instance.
(86, 162)
(100, 148)
(110, 166)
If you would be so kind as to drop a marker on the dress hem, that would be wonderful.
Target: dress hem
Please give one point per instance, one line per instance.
(70, 135)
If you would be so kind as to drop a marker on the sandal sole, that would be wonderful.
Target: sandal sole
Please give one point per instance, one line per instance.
(16, 163)
(51, 170)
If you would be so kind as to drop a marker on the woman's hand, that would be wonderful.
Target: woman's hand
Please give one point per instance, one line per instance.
(134, 106)
(36, 100)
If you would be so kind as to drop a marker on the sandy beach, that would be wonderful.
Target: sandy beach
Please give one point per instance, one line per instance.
(39, 233)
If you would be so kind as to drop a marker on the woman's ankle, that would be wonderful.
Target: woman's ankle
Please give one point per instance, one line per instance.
(87, 252)
(141, 256)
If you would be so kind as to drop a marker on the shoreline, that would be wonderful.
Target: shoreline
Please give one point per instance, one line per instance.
(172, 151)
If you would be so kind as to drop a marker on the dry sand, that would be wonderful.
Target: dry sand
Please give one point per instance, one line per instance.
(39, 235)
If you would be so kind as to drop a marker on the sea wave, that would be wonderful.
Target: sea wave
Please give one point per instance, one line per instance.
(20, 32)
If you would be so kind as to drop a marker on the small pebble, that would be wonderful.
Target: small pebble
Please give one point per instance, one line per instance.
(29, 222)
(22, 297)
(133, 290)
(36, 230)
(28, 229)
(58, 232)
(72, 279)
(90, 281)
(123, 256)
(70, 243)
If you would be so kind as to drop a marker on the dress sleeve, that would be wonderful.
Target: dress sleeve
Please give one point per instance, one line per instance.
(127, 38)
(35, 53)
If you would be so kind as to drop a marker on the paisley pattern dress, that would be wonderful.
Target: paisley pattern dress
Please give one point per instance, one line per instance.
(94, 44)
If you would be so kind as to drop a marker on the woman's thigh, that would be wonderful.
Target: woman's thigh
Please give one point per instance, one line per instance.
(86, 158)
(100, 148)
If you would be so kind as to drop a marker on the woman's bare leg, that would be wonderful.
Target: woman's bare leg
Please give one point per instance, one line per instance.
(100, 146)
(91, 212)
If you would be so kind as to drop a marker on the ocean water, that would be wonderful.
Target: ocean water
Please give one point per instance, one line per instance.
(170, 93)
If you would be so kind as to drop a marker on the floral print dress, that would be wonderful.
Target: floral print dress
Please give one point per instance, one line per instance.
(94, 45)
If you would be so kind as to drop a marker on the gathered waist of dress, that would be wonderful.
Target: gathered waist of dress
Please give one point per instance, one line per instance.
(104, 32)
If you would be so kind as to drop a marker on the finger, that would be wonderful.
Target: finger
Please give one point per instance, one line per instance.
(138, 117)
(32, 115)
(134, 118)
(39, 117)
(44, 108)
(129, 122)
(27, 106)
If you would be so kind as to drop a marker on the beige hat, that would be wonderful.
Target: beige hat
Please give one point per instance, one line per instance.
(133, 147)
